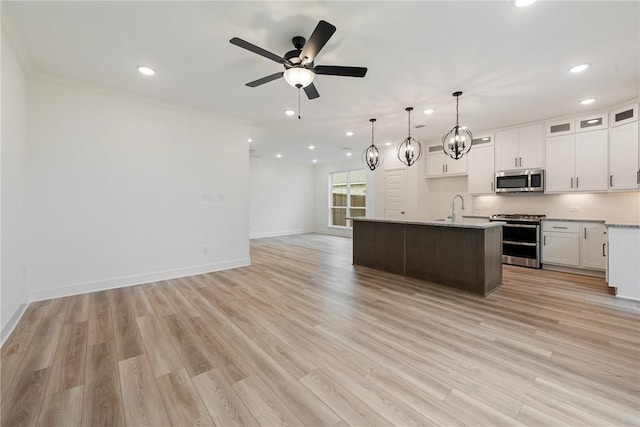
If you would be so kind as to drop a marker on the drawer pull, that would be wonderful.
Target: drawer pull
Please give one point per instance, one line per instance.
(561, 228)
(610, 180)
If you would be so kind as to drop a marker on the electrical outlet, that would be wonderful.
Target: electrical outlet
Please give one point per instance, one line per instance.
(205, 250)
(574, 209)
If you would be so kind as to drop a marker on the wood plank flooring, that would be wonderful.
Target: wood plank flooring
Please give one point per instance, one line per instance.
(302, 337)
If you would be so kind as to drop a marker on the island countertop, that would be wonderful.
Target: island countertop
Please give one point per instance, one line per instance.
(459, 223)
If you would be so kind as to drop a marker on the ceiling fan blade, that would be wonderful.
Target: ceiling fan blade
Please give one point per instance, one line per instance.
(260, 51)
(316, 42)
(264, 80)
(336, 70)
(311, 91)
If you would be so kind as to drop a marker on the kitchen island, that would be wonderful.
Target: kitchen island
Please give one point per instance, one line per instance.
(466, 255)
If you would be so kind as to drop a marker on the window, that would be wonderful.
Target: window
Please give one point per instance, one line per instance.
(347, 197)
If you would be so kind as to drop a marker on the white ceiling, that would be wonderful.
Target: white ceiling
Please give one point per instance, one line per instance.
(510, 62)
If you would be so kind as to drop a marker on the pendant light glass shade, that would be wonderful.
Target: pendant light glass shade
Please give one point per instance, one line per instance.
(410, 150)
(299, 76)
(371, 156)
(457, 142)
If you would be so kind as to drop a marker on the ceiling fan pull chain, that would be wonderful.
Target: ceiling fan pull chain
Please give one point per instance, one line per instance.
(298, 103)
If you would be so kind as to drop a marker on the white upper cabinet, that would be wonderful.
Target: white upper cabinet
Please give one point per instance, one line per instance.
(624, 115)
(480, 166)
(531, 145)
(577, 162)
(519, 148)
(624, 157)
(591, 160)
(559, 172)
(440, 165)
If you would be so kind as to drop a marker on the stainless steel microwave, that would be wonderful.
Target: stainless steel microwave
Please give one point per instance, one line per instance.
(520, 181)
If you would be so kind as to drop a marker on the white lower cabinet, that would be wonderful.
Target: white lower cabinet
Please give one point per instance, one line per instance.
(574, 244)
(624, 268)
(593, 246)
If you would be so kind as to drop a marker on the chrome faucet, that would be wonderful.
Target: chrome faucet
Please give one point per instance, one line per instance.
(453, 206)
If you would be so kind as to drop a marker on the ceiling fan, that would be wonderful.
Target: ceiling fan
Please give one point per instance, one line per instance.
(299, 69)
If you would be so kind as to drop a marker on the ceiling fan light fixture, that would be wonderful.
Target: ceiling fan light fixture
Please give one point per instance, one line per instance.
(299, 76)
(457, 142)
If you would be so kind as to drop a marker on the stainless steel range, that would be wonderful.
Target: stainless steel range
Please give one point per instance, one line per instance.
(521, 238)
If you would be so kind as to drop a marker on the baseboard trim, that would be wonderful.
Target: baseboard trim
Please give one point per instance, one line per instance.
(582, 271)
(279, 233)
(13, 322)
(124, 281)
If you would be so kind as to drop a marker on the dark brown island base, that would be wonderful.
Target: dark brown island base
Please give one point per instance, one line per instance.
(466, 255)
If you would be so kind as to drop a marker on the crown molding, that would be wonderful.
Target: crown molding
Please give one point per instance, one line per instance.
(103, 90)
(11, 35)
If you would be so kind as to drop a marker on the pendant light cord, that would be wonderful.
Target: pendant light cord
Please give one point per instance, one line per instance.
(457, 101)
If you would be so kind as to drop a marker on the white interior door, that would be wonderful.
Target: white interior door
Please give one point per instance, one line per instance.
(395, 190)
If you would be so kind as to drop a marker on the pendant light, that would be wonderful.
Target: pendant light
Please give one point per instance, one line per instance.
(371, 155)
(410, 150)
(457, 142)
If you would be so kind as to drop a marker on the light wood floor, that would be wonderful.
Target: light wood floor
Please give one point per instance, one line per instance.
(303, 338)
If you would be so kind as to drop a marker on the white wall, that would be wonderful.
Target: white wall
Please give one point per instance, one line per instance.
(282, 198)
(123, 191)
(321, 189)
(13, 153)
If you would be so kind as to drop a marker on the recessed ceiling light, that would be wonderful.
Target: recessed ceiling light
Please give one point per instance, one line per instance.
(429, 111)
(349, 133)
(524, 3)
(578, 68)
(250, 140)
(278, 155)
(314, 161)
(146, 70)
(311, 147)
(588, 101)
(289, 112)
(349, 153)
(387, 144)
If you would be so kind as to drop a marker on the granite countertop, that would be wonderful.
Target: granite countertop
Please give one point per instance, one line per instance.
(460, 223)
(573, 219)
(622, 224)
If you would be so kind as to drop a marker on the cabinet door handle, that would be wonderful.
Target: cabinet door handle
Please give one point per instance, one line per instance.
(442, 168)
(544, 240)
(491, 185)
(638, 176)
(603, 249)
(446, 168)
(610, 180)
(520, 161)
(571, 182)
(516, 162)
(577, 182)
(585, 233)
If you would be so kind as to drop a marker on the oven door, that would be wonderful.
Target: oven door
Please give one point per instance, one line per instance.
(521, 244)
